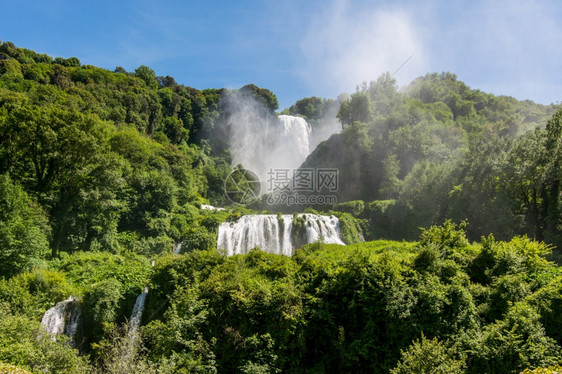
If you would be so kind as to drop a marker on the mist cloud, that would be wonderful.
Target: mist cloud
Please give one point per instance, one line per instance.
(509, 48)
(261, 141)
(347, 44)
(503, 47)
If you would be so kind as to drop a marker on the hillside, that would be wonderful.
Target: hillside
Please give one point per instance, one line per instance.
(437, 150)
(105, 228)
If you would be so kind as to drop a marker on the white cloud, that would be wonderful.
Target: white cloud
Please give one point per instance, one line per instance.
(347, 44)
(503, 47)
(506, 47)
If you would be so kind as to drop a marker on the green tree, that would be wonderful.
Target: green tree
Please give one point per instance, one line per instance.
(534, 175)
(264, 96)
(311, 108)
(62, 157)
(23, 229)
(512, 344)
(147, 75)
(102, 303)
(357, 108)
(429, 356)
(390, 186)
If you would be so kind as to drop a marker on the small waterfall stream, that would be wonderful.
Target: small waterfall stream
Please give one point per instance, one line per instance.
(136, 314)
(275, 234)
(176, 249)
(64, 318)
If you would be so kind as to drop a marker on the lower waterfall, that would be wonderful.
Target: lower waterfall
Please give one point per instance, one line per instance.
(63, 318)
(277, 234)
(136, 315)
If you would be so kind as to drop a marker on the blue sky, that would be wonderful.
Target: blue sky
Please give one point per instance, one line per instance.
(305, 48)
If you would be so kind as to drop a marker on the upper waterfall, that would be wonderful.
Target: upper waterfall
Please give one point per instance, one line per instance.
(260, 145)
(296, 138)
(277, 234)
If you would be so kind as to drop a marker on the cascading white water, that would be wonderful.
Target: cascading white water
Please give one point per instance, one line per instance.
(274, 234)
(63, 318)
(210, 207)
(176, 249)
(326, 227)
(260, 144)
(295, 140)
(136, 314)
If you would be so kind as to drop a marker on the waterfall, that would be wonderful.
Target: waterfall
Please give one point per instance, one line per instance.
(261, 144)
(63, 318)
(176, 249)
(136, 315)
(210, 207)
(275, 234)
(295, 140)
(326, 227)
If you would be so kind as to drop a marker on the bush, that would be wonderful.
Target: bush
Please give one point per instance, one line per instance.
(350, 229)
(24, 343)
(514, 343)
(102, 305)
(556, 369)
(429, 356)
(355, 208)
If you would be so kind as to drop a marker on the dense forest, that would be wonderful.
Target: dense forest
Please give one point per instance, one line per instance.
(438, 150)
(450, 204)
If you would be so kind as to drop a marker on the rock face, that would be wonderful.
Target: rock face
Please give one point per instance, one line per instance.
(359, 168)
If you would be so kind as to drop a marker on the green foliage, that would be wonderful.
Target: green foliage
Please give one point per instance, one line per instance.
(23, 229)
(109, 169)
(299, 230)
(350, 229)
(264, 96)
(105, 152)
(147, 75)
(180, 335)
(357, 308)
(123, 352)
(24, 343)
(101, 304)
(357, 109)
(87, 268)
(444, 151)
(262, 355)
(310, 108)
(513, 344)
(520, 255)
(429, 356)
(387, 218)
(31, 293)
(11, 69)
(544, 370)
(200, 238)
(355, 208)
(11, 369)
(447, 237)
